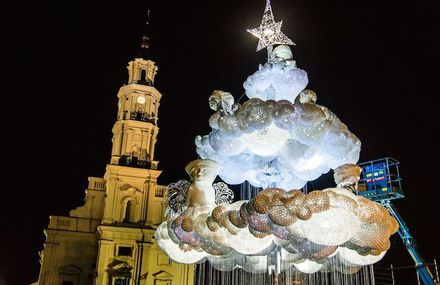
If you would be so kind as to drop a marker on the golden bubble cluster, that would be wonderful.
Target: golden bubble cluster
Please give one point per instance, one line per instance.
(311, 226)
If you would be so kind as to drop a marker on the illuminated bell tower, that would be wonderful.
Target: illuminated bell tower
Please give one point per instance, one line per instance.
(135, 131)
(134, 203)
(134, 138)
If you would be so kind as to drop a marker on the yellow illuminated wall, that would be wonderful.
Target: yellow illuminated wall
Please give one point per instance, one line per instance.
(110, 239)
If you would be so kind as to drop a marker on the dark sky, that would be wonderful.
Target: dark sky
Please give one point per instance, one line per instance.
(373, 63)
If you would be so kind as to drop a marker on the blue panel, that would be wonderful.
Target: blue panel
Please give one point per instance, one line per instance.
(375, 175)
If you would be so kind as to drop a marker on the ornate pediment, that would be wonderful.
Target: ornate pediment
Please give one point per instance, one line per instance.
(163, 275)
(70, 269)
(129, 187)
(118, 266)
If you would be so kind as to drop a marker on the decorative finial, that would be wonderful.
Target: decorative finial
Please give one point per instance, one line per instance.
(144, 51)
(269, 32)
(145, 39)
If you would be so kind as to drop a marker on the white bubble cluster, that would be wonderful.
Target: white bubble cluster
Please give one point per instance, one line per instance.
(278, 143)
(276, 81)
(279, 137)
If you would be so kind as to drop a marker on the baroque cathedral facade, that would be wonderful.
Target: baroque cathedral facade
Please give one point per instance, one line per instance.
(110, 239)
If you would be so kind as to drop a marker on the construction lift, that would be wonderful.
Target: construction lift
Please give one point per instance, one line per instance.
(380, 181)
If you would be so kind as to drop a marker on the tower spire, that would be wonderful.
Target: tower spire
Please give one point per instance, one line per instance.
(144, 51)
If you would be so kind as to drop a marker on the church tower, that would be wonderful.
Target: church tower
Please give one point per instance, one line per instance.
(132, 171)
(110, 239)
(134, 203)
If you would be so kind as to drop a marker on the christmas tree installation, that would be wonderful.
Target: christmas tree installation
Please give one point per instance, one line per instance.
(278, 140)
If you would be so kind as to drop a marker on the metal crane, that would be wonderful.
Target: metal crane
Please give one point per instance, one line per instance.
(380, 181)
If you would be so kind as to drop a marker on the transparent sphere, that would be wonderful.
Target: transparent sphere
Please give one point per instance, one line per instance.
(228, 124)
(307, 266)
(276, 81)
(235, 168)
(225, 146)
(352, 257)
(332, 227)
(226, 263)
(213, 120)
(178, 255)
(267, 141)
(245, 243)
(255, 264)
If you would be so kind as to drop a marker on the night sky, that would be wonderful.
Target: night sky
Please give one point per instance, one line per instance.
(373, 63)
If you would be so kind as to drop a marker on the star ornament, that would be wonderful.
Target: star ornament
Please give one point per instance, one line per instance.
(269, 32)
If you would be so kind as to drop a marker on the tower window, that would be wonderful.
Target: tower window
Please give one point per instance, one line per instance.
(128, 211)
(125, 251)
(120, 281)
(143, 75)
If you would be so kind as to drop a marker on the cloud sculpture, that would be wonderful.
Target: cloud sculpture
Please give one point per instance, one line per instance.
(312, 230)
(279, 137)
(279, 81)
(278, 143)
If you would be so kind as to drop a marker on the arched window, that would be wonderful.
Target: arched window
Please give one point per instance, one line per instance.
(128, 211)
(143, 75)
(134, 155)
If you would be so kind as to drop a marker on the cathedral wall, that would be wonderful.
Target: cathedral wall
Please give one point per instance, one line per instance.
(68, 258)
(140, 262)
(159, 269)
(110, 239)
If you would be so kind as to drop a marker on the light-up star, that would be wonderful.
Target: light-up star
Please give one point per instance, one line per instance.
(269, 32)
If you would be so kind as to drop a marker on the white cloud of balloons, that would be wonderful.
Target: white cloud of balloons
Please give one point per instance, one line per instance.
(279, 137)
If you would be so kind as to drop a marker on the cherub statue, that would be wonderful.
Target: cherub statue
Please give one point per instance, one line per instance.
(222, 102)
(347, 176)
(282, 53)
(203, 173)
(200, 191)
